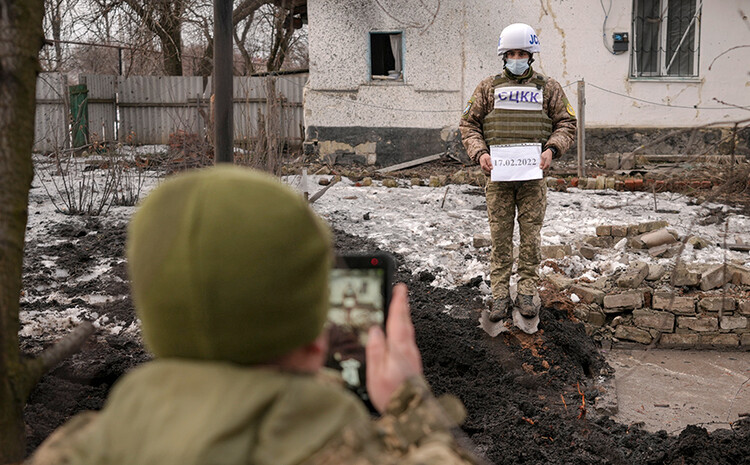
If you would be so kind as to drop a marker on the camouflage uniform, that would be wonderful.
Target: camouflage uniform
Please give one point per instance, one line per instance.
(528, 198)
(171, 412)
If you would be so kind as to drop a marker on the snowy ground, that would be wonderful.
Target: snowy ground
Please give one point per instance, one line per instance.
(410, 221)
(414, 222)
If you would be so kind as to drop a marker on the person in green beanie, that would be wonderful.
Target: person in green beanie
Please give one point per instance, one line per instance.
(229, 274)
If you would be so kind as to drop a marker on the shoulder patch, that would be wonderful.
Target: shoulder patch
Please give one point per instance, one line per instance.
(468, 106)
(569, 107)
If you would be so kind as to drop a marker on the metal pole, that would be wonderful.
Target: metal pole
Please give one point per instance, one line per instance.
(223, 121)
(581, 133)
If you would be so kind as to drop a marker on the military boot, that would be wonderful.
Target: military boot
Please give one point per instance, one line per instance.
(500, 308)
(526, 306)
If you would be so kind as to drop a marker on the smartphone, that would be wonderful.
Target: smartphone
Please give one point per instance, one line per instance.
(360, 292)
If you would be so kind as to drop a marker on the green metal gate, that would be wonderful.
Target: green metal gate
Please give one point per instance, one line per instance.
(79, 112)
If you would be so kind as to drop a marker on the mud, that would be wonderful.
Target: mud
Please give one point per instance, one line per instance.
(529, 398)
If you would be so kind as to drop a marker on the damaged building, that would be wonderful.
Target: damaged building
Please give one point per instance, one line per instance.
(389, 79)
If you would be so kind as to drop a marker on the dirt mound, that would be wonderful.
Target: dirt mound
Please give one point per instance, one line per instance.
(528, 397)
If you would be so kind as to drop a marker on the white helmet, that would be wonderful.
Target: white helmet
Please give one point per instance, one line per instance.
(518, 36)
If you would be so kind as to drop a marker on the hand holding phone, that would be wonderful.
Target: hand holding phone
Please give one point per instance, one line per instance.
(394, 358)
(360, 288)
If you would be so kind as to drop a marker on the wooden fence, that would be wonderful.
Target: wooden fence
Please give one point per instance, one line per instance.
(146, 109)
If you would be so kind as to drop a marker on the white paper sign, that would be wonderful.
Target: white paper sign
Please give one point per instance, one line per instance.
(516, 162)
(518, 98)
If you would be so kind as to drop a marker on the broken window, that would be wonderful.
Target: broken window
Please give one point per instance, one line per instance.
(385, 55)
(666, 38)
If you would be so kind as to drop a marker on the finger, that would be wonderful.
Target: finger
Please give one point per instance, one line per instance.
(399, 326)
(374, 351)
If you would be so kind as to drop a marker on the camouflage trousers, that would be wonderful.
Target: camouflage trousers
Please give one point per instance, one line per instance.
(529, 200)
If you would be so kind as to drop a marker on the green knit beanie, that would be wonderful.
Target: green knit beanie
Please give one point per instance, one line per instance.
(227, 263)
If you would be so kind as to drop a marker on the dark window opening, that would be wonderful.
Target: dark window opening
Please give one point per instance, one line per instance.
(385, 56)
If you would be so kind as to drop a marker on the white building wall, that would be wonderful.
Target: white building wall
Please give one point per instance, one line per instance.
(340, 92)
(571, 36)
(448, 53)
(452, 51)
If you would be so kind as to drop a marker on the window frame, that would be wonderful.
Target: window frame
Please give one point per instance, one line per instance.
(664, 61)
(381, 78)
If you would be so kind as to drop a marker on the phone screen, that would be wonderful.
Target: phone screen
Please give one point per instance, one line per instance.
(359, 297)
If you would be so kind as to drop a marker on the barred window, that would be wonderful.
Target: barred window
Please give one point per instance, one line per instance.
(666, 38)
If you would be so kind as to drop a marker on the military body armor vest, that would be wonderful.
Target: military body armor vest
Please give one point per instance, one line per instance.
(518, 115)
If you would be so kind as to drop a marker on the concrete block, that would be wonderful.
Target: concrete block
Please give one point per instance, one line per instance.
(655, 272)
(619, 230)
(366, 181)
(672, 250)
(588, 294)
(715, 276)
(632, 333)
(560, 281)
(745, 340)
(743, 307)
(599, 241)
(699, 324)
(720, 340)
(601, 283)
(657, 251)
(417, 181)
(556, 251)
(601, 182)
(390, 182)
(635, 242)
(610, 183)
(658, 237)
(482, 240)
(630, 300)
(588, 252)
(633, 276)
(682, 305)
(604, 230)
(612, 161)
(714, 304)
(649, 226)
(597, 317)
(733, 322)
(740, 274)
(679, 339)
(627, 161)
(682, 276)
(663, 321)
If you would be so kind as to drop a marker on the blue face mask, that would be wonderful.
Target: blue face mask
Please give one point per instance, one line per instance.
(517, 67)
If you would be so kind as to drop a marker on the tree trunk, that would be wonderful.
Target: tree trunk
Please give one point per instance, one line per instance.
(171, 42)
(20, 41)
(164, 19)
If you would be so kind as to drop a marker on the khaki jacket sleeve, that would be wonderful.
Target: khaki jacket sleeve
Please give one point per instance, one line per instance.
(478, 106)
(416, 428)
(56, 449)
(559, 109)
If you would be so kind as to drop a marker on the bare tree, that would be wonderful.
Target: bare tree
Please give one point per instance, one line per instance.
(163, 18)
(21, 38)
(262, 29)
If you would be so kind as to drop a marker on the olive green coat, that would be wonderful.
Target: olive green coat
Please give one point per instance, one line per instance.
(171, 412)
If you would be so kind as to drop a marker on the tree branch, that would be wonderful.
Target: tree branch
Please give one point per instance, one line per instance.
(70, 344)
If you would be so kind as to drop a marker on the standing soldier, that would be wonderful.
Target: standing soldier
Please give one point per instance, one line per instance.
(513, 117)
